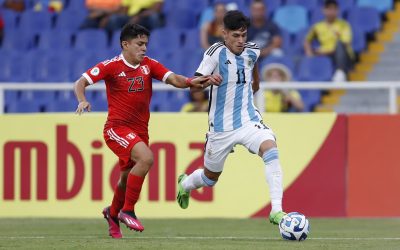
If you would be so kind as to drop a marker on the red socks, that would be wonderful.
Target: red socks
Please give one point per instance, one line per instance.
(133, 188)
(118, 201)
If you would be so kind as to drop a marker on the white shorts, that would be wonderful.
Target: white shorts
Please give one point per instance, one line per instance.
(220, 144)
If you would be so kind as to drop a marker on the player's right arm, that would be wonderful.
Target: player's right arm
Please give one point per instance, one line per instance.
(79, 89)
(99, 72)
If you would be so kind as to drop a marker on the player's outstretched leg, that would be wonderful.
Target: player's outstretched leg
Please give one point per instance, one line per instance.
(127, 214)
(273, 174)
(195, 180)
(113, 224)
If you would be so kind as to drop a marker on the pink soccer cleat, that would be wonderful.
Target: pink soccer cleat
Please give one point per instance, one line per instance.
(113, 224)
(130, 220)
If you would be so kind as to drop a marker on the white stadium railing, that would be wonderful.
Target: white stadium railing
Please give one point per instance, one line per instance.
(391, 87)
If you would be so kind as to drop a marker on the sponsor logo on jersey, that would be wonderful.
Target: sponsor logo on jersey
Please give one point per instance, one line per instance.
(95, 71)
(145, 69)
(228, 62)
(122, 74)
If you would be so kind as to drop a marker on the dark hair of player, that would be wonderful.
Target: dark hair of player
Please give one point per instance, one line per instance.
(131, 31)
(236, 20)
(329, 3)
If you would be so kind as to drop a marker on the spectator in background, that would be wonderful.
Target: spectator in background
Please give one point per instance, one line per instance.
(147, 13)
(280, 100)
(198, 102)
(265, 33)
(334, 36)
(99, 13)
(16, 5)
(50, 5)
(211, 32)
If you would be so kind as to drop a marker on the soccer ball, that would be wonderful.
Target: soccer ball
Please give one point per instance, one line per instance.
(294, 226)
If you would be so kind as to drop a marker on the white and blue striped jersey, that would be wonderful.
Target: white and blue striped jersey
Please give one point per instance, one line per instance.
(231, 103)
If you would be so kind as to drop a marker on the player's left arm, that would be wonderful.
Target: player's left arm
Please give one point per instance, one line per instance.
(256, 79)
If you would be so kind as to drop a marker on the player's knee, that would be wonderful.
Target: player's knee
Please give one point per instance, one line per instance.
(147, 160)
(270, 155)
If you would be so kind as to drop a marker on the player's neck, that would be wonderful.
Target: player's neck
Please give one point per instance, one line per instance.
(130, 59)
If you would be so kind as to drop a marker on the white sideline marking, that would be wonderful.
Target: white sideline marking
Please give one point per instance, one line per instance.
(189, 238)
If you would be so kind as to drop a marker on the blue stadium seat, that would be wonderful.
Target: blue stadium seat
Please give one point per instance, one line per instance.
(310, 99)
(285, 60)
(14, 66)
(166, 39)
(316, 16)
(55, 39)
(61, 106)
(10, 19)
(182, 19)
(272, 5)
(177, 99)
(91, 39)
(40, 97)
(317, 68)
(310, 5)
(34, 22)
(194, 5)
(192, 39)
(191, 63)
(366, 19)
(17, 39)
(70, 20)
(82, 60)
(76, 5)
(346, 5)
(359, 42)
(382, 5)
(292, 18)
(115, 42)
(160, 101)
(50, 67)
(23, 106)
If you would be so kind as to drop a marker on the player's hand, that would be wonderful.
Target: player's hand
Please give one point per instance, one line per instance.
(215, 79)
(200, 82)
(82, 106)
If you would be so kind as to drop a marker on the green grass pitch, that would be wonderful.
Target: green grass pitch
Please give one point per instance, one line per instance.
(213, 234)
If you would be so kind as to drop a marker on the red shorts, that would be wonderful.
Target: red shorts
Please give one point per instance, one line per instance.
(121, 140)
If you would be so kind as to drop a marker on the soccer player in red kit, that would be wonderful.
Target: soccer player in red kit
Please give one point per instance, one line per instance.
(128, 80)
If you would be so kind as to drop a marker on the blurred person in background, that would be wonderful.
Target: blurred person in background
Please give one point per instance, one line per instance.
(280, 100)
(147, 13)
(334, 36)
(16, 5)
(211, 32)
(50, 5)
(265, 33)
(99, 13)
(198, 102)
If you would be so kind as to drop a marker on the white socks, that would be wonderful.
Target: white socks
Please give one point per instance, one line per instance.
(194, 180)
(273, 174)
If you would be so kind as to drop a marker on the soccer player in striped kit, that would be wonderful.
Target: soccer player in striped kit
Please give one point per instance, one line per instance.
(233, 119)
(128, 79)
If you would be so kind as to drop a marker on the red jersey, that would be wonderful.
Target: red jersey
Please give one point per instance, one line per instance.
(129, 89)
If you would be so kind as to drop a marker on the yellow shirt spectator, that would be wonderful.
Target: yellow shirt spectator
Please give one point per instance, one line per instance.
(275, 101)
(280, 100)
(328, 34)
(134, 6)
